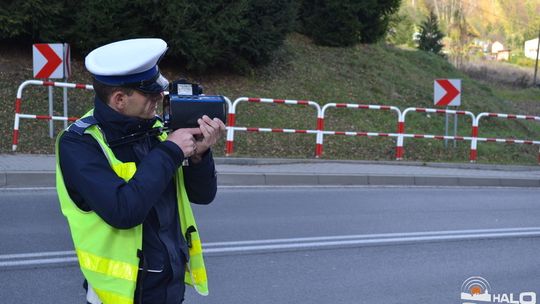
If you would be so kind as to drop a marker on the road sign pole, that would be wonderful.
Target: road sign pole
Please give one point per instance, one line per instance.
(65, 107)
(446, 129)
(447, 92)
(455, 128)
(51, 125)
(52, 60)
(67, 74)
(65, 97)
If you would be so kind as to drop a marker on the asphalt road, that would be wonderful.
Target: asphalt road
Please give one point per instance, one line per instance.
(309, 245)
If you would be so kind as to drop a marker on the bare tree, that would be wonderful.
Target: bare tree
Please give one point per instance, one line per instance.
(461, 35)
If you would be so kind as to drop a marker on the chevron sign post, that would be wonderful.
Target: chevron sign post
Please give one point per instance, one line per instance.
(52, 60)
(447, 92)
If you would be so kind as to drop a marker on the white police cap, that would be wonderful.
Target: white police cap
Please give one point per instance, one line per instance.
(129, 63)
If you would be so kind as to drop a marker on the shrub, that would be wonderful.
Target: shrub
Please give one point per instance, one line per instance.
(430, 35)
(201, 34)
(29, 20)
(93, 23)
(346, 22)
(268, 23)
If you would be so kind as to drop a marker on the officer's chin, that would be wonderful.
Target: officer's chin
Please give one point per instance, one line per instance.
(152, 111)
(148, 115)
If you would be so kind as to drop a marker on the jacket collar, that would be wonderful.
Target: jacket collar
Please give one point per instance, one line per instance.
(116, 125)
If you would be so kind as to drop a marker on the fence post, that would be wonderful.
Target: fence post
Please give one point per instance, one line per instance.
(230, 125)
(474, 142)
(401, 131)
(320, 134)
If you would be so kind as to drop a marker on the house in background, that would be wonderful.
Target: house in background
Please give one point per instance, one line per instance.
(496, 47)
(530, 48)
(498, 52)
(503, 55)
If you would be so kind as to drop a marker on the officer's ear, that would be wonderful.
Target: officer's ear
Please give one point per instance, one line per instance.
(118, 101)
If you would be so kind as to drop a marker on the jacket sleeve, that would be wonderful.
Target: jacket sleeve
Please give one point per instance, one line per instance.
(200, 180)
(91, 181)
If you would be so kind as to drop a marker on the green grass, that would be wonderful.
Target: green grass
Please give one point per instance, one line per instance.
(368, 74)
(519, 96)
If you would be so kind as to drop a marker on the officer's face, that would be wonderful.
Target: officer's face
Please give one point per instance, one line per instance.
(142, 105)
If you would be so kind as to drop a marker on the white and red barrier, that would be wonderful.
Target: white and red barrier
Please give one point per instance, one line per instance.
(400, 135)
(18, 104)
(476, 122)
(401, 127)
(231, 121)
(320, 123)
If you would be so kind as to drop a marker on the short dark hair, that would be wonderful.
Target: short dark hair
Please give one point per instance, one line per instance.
(104, 92)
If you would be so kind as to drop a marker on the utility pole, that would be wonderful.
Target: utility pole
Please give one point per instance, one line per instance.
(536, 64)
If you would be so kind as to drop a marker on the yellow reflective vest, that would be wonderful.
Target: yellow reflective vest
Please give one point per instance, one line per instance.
(108, 257)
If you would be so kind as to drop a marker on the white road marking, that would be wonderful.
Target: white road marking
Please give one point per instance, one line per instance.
(277, 245)
(238, 187)
(27, 189)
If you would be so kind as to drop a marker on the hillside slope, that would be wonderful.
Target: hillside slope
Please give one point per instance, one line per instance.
(367, 74)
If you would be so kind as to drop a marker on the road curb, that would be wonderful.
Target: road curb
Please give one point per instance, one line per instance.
(21, 179)
(47, 179)
(291, 179)
(281, 161)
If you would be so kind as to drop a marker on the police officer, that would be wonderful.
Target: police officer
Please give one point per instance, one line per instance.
(125, 194)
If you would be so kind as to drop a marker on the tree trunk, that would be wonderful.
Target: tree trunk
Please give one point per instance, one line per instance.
(437, 10)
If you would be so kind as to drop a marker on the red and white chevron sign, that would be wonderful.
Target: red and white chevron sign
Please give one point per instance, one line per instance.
(447, 92)
(48, 60)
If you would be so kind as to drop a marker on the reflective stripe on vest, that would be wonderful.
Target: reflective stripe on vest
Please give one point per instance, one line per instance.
(110, 297)
(108, 256)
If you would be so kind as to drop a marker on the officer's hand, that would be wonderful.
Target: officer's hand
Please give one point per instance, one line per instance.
(184, 138)
(212, 130)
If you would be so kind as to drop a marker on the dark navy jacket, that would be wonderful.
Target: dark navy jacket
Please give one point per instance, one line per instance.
(148, 198)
